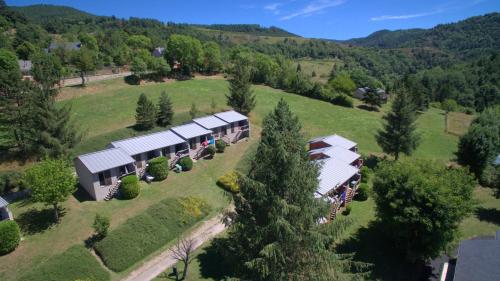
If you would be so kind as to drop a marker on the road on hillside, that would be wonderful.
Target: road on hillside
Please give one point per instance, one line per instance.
(154, 267)
(78, 80)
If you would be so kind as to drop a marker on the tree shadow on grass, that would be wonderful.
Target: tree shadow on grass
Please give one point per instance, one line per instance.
(81, 195)
(488, 214)
(371, 245)
(212, 264)
(367, 107)
(35, 221)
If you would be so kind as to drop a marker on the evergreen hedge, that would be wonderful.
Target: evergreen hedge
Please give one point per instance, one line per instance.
(10, 236)
(210, 150)
(186, 163)
(158, 168)
(220, 145)
(362, 193)
(130, 187)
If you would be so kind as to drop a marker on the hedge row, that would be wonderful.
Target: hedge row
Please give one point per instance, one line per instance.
(76, 263)
(145, 233)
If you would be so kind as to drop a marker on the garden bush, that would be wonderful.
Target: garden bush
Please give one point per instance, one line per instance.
(220, 145)
(158, 168)
(347, 210)
(9, 181)
(9, 236)
(365, 174)
(186, 163)
(145, 233)
(210, 151)
(76, 263)
(101, 225)
(362, 193)
(229, 181)
(130, 187)
(342, 100)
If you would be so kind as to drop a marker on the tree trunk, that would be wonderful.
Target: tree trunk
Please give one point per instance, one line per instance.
(184, 273)
(82, 75)
(396, 156)
(56, 212)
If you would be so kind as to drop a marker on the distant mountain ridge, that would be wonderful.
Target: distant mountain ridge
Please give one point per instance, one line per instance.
(465, 38)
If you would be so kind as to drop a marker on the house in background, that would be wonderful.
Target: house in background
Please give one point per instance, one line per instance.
(5, 214)
(147, 147)
(99, 173)
(332, 141)
(360, 93)
(216, 125)
(25, 66)
(158, 52)
(67, 46)
(238, 125)
(194, 135)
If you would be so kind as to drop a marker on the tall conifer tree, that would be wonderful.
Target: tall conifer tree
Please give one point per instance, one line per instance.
(165, 110)
(241, 97)
(145, 113)
(399, 132)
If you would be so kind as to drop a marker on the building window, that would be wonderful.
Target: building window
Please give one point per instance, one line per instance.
(105, 178)
(151, 154)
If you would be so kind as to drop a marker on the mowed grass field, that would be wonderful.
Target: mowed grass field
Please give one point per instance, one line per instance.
(322, 68)
(105, 110)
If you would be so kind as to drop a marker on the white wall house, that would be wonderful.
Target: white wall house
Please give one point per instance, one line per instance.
(194, 135)
(218, 126)
(99, 173)
(238, 125)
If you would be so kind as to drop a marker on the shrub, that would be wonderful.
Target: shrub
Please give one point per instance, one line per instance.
(9, 236)
(133, 79)
(362, 193)
(229, 181)
(76, 263)
(101, 225)
(342, 100)
(365, 174)
(148, 231)
(186, 163)
(158, 168)
(210, 150)
(9, 181)
(347, 210)
(130, 187)
(194, 207)
(220, 145)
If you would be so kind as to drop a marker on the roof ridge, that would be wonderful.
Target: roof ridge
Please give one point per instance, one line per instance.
(141, 136)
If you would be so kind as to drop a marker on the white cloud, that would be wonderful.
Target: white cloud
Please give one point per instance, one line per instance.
(404, 17)
(313, 8)
(272, 6)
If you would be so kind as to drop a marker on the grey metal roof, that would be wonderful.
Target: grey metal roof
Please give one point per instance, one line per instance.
(337, 152)
(105, 159)
(141, 144)
(231, 116)
(3, 202)
(65, 45)
(478, 260)
(333, 173)
(190, 131)
(210, 122)
(335, 140)
(24, 65)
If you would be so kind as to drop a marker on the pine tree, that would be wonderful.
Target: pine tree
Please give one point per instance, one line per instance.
(241, 97)
(145, 113)
(372, 98)
(275, 235)
(299, 68)
(165, 110)
(193, 112)
(398, 135)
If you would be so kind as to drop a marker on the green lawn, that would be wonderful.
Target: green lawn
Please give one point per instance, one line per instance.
(322, 67)
(106, 110)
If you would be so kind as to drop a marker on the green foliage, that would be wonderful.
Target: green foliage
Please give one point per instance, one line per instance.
(398, 134)
(165, 111)
(158, 168)
(130, 188)
(481, 144)
(342, 100)
(220, 145)
(186, 163)
(26, 50)
(347, 210)
(145, 233)
(187, 50)
(139, 42)
(491, 178)
(193, 112)
(449, 105)
(229, 181)
(10, 180)
(145, 113)
(9, 70)
(362, 192)
(85, 61)
(365, 174)
(101, 225)
(342, 83)
(421, 204)
(372, 98)
(76, 263)
(139, 67)
(47, 70)
(210, 151)
(10, 236)
(241, 97)
(51, 182)
(212, 58)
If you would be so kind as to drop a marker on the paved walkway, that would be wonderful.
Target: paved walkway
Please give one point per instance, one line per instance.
(78, 80)
(154, 267)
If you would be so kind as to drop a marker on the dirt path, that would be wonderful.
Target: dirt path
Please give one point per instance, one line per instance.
(154, 267)
(78, 80)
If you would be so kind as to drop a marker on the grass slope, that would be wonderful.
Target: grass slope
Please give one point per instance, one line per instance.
(76, 263)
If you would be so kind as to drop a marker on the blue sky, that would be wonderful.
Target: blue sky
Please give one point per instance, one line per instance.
(333, 19)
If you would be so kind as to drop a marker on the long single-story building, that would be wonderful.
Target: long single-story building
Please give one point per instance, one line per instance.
(147, 147)
(332, 141)
(99, 173)
(336, 152)
(5, 214)
(239, 126)
(216, 125)
(195, 135)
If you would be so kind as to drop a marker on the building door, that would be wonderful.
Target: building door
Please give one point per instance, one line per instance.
(105, 178)
(138, 161)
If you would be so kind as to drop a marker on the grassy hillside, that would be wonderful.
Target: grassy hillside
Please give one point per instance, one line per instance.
(107, 112)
